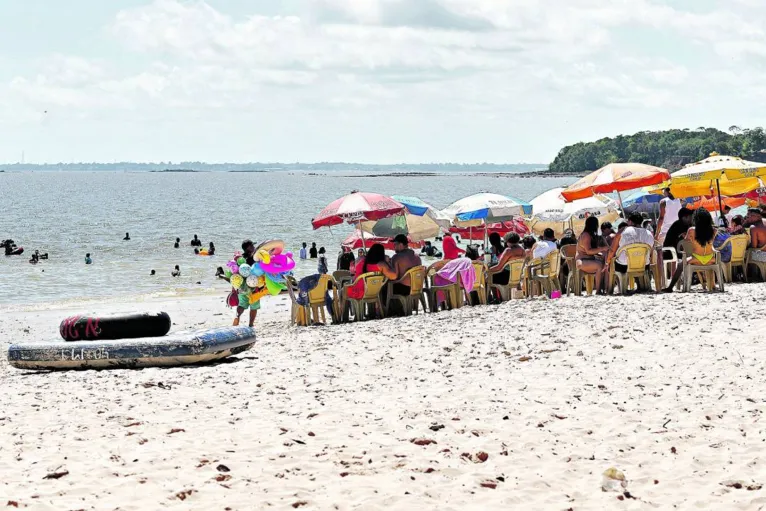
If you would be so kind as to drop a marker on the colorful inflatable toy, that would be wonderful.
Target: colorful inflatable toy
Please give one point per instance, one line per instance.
(266, 276)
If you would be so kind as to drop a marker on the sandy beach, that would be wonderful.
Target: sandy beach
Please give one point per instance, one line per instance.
(518, 406)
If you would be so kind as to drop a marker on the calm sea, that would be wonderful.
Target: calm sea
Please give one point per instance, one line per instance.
(68, 214)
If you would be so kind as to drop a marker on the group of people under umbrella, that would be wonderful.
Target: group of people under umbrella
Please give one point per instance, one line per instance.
(405, 222)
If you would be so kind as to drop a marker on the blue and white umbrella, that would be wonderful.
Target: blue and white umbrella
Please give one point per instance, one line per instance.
(486, 208)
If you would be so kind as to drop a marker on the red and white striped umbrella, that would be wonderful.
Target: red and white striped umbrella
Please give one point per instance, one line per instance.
(357, 207)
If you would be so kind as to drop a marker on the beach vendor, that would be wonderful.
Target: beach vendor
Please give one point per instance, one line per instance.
(255, 273)
(248, 251)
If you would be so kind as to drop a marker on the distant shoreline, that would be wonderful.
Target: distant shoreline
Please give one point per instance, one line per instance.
(492, 168)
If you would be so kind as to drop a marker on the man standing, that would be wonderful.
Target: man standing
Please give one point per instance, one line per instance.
(196, 242)
(669, 208)
(313, 251)
(302, 253)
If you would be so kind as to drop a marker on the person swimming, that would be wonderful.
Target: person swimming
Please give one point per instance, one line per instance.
(211, 249)
(176, 272)
(88, 260)
(196, 242)
(127, 237)
(177, 243)
(152, 273)
(196, 251)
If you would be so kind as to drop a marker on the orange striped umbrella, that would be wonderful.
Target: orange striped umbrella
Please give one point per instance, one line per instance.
(615, 177)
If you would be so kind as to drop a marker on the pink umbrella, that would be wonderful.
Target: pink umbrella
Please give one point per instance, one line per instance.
(357, 207)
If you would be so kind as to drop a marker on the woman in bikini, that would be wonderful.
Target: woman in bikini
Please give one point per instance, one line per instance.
(591, 249)
(701, 235)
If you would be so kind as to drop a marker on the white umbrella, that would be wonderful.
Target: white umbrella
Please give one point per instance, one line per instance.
(550, 210)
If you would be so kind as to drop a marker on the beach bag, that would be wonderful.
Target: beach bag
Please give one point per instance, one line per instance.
(232, 300)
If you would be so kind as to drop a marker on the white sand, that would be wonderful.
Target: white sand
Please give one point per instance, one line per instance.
(668, 389)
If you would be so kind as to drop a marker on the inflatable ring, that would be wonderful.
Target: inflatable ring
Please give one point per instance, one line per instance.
(203, 253)
(263, 256)
(280, 263)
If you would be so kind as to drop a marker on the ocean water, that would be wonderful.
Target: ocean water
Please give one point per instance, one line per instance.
(68, 214)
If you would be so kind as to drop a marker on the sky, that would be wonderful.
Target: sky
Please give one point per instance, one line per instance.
(370, 81)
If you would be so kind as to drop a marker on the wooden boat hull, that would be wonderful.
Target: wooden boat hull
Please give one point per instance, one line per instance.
(171, 350)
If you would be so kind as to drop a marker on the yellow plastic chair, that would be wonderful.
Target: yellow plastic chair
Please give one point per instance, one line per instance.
(417, 276)
(449, 292)
(479, 285)
(515, 268)
(546, 273)
(710, 272)
(316, 298)
(739, 245)
(636, 254)
(299, 314)
(373, 284)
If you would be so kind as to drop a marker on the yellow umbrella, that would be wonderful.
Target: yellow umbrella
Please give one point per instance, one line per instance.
(717, 175)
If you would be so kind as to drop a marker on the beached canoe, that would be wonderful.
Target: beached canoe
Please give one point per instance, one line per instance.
(172, 350)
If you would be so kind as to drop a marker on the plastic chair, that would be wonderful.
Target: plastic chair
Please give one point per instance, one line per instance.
(316, 298)
(546, 273)
(479, 285)
(669, 265)
(342, 277)
(759, 265)
(449, 292)
(417, 276)
(515, 268)
(636, 254)
(709, 270)
(739, 245)
(574, 279)
(373, 284)
(299, 314)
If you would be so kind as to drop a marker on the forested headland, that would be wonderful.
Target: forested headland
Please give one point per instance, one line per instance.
(671, 149)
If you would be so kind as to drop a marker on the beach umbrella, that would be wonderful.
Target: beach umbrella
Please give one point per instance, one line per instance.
(483, 209)
(759, 195)
(712, 203)
(717, 175)
(550, 210)
(516, 225)
(615, 177)
(355, 208)
(420, 221)
(356, 240)
(643, 200)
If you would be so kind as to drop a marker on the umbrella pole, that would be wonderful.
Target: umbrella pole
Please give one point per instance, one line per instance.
(619, 198)
(361, 232)
(720, 203)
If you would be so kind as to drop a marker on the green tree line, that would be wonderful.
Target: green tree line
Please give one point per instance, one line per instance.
(670, 149)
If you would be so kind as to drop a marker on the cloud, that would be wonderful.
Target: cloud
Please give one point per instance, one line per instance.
(456, 60)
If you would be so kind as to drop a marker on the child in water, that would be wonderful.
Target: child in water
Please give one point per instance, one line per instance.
(88, 260)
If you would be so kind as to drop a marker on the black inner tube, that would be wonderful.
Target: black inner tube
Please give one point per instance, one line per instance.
(134, 326)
